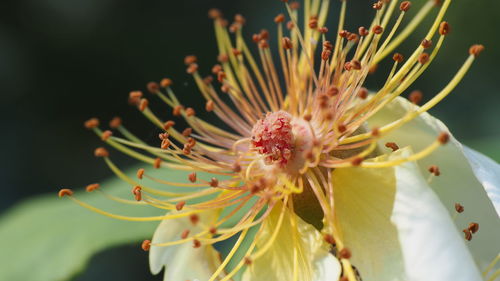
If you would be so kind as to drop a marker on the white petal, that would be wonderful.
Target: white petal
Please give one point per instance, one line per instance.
(458, 183)
(181, 262)
(432, 248)
(327, 268)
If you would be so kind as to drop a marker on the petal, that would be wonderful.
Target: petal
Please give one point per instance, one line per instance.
(181, 262)
(314, 260)
(432, 248)
(459, 182)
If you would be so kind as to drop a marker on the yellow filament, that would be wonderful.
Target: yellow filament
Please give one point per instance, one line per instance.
(491, 265)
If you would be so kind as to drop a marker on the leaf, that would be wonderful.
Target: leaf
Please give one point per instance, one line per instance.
(50, 238)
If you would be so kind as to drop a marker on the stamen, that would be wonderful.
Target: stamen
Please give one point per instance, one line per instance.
(65, 192)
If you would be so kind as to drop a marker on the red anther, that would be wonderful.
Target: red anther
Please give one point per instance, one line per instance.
(247, 260)
(214, 182)
(357, 161)
(397, 57)
(444, 138)
(363, 93)
(272, 136)
(106, 135)
(426, 43)
(157, 163)
(137, 191)
(192, 177)
(329, 239)
(191, 141)
(475, 50)
(140, 173)
(378, 5)
(264, 34)
(221, 76)
(190, 112)
(342, 128)
(416, 97)
(179, 206)
(287, 43)
(214, 14)
(177, 110)
(423, 58)
(185, 234)
(209, 106)
(344, 278)
(355, 64)
(437, 2)
(236, 168)
(345, 253)
(332, 91)
(459, 208)
(307, 117)
(65, 192)
(444, 28)
(236, 52)
(473, 227)
(153, 87)
(187, 132)
(467, 234)
(91, 123)
(196, 243)
(323, 30)
(290, 25)
(186, 150)
(165, 144)
(135, 95)
(313, 23)
(263, 44)
(223, 58)
(295, 5)
(115, 123)
(378, 29)
(225, 88)
(143, 105)
(343, 33)
(256, 38)
(347, 66)
(208, 80)
(325, 55)
(166, 82)
(353, 37)
(101, 152)
(373, 68)
(169, 124)
(192, 68)
(327, 45)
(146, 245)
(279, 18)
(328, 116)
(392, 145)
(163, 136)
(194, 219)
(92, 187)
(190, 59)
(212, 230)
(434, 170)
(375, 132)
(405, 6)
(362, 31)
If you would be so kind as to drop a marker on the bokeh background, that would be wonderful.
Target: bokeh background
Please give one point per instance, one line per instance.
(63, 61)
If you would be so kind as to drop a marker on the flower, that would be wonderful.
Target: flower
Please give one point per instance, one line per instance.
(314, 178)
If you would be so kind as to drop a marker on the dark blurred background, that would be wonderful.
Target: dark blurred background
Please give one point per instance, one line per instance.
(63, 61)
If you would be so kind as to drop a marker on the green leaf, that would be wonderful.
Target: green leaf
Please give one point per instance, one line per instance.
(50, 238)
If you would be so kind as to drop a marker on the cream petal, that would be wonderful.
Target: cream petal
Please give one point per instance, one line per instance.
(432, 248)
(314, 260)
(465, 178)
(181, 262)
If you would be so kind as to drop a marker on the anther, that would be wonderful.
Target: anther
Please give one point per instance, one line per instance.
(405, 6)
(222, 58)
(342, 128)
(378, 29)
(295, 5)
(434, 170)
(373, 68)
(329, 239)
(225, 88)
(187, 132)
(378, 5)
(473, 227)
(357, 161)
(185, 234)
(343, 33)
(92, 187)
(363, 93)
(192, 177)
(186, 150)
(190, 59)
(444, 138)
(169, 124)
(236, 168)
(196, 243)
(332, 91)
(475, 50)
(101, 152)
(467, 234)
(221, 76)
(375, 132)
(444, 28)
(91, 123)
(345, 253)
(146, 245)
(212, 230)
(214, 182)
(323, 30)
(307, 117)
(190, 112)
(143, 105)
(392, 145)
(397, 57)
(290, 25)
(137, 191)
(208, 80)
(313, 23)
(177, 110)
(179, 206)
(194, 219)
(153, 87)
(157, 163)
(240, 19)
(166, 82)
(263, 44)
(459, 208)
(135, 95)
(115, 123)
(325, 55)
(327, 45)
(264, 34)
(279, 18)
(140, 173)
(106, 135)
(65, 192)
(287, 43)
(192, 68)
(426, 44)
(353, 37)
(423, 58)
(248, 260)
(165, 144)
(214, 14)
(236, 52)
(416, 97)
